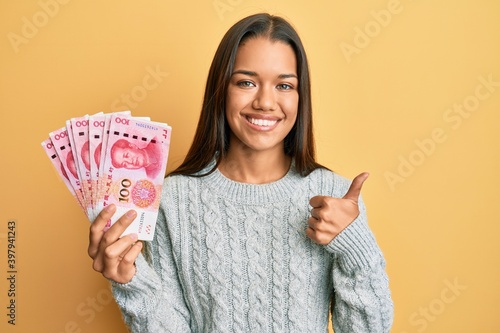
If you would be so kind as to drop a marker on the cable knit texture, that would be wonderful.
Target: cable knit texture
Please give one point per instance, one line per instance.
(234, 257)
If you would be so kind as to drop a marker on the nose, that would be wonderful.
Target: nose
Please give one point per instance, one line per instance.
(265, 99)
(127, 161)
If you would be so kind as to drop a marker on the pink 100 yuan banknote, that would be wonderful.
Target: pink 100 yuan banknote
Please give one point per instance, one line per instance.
(50, 150)
(134, 166)
(61, 141)
(81, 153)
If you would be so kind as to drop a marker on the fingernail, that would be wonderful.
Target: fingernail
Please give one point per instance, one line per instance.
(134, 237)
(109, 208)
(131, 214)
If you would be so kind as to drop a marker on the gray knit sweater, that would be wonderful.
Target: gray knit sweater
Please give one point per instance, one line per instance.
(234, 257)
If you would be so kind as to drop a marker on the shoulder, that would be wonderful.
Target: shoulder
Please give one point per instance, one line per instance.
(175, 194)
(174, 183)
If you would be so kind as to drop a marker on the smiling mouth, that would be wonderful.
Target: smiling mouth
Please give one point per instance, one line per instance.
(262, 122)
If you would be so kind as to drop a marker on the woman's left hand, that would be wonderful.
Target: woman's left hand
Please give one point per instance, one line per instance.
(329, 216)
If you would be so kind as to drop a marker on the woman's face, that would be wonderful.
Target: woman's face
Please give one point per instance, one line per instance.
(262, 98)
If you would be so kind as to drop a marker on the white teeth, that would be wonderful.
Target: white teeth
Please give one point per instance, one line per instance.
(262, 122)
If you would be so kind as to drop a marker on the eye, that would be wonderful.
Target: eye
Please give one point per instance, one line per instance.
(284, 86)
(245, 84)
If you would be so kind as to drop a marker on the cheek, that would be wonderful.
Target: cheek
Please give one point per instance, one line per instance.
(233, 108)
(229, 106)
(290, 107)
(235, 101)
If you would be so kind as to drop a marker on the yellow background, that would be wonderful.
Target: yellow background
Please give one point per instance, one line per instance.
(380, 88)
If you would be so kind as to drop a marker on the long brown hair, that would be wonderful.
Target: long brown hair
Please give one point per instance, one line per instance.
(212, 134)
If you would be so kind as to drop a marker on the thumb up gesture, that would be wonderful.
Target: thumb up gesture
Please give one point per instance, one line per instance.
(329, 216)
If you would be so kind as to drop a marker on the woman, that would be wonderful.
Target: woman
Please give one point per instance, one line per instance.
(237, 246)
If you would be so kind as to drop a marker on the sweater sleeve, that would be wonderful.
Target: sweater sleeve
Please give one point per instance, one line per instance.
(362, 299)
(153, 300)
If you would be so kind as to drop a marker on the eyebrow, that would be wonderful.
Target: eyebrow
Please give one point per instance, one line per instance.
(250, 73)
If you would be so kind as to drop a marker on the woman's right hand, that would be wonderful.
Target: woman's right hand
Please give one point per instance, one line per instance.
(113, 256)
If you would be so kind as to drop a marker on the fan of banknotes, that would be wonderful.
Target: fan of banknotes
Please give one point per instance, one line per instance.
(113, 159)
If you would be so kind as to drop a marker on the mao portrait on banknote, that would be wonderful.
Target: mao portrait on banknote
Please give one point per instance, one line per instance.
(125, 154)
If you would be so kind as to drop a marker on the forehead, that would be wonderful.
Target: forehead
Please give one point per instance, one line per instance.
(264, 55)
(119, 150)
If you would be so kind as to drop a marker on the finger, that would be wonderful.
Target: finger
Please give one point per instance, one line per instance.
(124, 253)
(318, 237)
(108, 258)
(126, 269)
(312, 223)
(116, 251)
(310, 233)
(314, 213)
(128, 260)
(118, 228)
(119, 261)
(97, 229)
(317, 201)
(355, 188)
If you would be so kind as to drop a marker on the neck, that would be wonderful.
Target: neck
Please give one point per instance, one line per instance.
(255, 167)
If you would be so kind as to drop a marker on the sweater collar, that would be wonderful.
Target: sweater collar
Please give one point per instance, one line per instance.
(277, 191)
